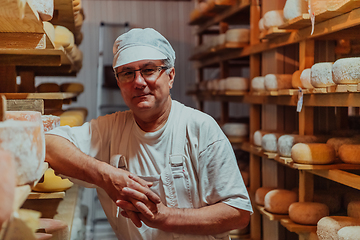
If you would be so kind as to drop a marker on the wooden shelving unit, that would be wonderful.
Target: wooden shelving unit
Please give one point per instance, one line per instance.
(343, 21)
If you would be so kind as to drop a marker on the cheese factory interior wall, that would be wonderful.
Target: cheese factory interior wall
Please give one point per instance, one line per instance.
(168, 17)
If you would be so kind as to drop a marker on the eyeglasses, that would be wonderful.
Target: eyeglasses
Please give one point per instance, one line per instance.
(149, 73)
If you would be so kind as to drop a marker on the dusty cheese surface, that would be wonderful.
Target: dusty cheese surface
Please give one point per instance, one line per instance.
(346, 71)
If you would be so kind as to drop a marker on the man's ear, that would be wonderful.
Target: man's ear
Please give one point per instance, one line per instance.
(171, 77)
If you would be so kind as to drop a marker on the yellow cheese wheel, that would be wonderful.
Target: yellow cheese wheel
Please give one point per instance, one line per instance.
(48, 87)
(350, 153)
(260, 194)
(313, 153)
(279, 200)
(72, 87)
(52, 183)
(308, 213)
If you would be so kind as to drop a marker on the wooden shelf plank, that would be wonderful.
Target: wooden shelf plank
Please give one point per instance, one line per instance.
(344, 7)
(274, 32)
(49, 96)
(298, 22)
(297, 228)
(226, 47)
(272, 216)
(40, 195)
(340, 176)
(237, 140)
(32, 57)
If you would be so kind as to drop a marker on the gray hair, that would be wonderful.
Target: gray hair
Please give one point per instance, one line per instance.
(169, 64)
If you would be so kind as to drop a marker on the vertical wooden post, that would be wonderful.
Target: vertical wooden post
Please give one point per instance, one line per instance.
(306, 54)
(8, 79)
(27, 84)
(2, 108)
(306, 186)
(306, 121)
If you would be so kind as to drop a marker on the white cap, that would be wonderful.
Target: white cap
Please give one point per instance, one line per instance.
(141, 44)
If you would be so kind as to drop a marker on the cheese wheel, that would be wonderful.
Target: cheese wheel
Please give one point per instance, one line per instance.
(321, 75)
(50, 122)
(273, 18)
(260, 194)
(353, 209)
(346, 71)
(295, 80)
(350, 153)
(287, 141)
(294, 9)
(327, 227)
(45, 8)
(349, 233)
(48, 87)
(307, 213)
(278, 81)
(7, 185)
(57, 228)
(236, 84)
(261, 24)
(313, 153)
(221, 39)
(239, 35)
(64, 38)
(258, 84)
(49, 30)
(330, 199)
(258, 137)
(279, 200)
(350, 196)
(336, 142)
(72, 87)
(236, 129)
(269, 142)
(305, 78)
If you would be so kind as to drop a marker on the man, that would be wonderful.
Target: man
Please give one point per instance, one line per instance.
(163, 170)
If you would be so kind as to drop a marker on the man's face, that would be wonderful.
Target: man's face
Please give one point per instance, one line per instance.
(142, 94)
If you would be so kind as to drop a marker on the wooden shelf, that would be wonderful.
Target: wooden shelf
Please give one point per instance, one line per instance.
(340, 176)
(273, 33)
(45, 96)
(298, 22)
(51, 195)
(221, 49)
(297, 228)
(272, 216)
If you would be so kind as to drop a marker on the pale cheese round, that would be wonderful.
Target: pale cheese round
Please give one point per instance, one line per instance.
(64, 38)
(236, 129)
(261, 24)
(260, 194)
(305, 78)
(308, 213)
(349, 233)
(258, 84)
(279, 200)
(337, 142)
(236, 84)
(313, 153)
(258, 137)
(273, 18)
(239, 35)
(321, 75)
(72, 87)
(294, 9)
(346, 71)
(350, 196)
(48, 87)
(269, 142)
(327, 227)
(350, 153)
(278, 81)
(287, 141)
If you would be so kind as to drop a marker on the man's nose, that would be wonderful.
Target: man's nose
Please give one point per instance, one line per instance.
(138, 78)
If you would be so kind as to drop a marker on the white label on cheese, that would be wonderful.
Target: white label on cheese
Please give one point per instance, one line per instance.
(300, 100)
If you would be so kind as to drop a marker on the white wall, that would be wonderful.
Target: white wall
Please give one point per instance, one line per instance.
(170, 18)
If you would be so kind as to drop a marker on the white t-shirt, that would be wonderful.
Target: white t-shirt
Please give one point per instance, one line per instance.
(210, 165)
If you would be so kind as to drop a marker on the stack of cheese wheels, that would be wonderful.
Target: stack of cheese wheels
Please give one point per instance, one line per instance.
(273, 18)
(269, 142)
(48, 87)
(23, 135)
(287, 141)
(295, 80)
(258, 83)
(328, 227)
(321, 75)
(346, 71)
(258, 135)
(236, 84)
(7, 185)
(239, 35)
(279, 200)
(353, 209)
(307, 213)
(45, 8)
(294, 9)
(313, 153)
(50, 122)
(349, 233)
(275, 82)
(57, 228)
(64, 38)
(305, 78)
(236, 129)
(337, 142)
(350, 153)
(260, 194)
(330, 199)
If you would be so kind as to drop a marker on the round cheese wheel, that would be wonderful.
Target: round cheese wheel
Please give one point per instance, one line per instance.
(260, 194)
(236, 83)
(327, 227)
(221, 39)
(261, 24)
(350, 196)
(350, 153)
(321, 75)
(294, 8)
(64, 38)
(258, 84)
(258, 137)
(279, 200)
(313, 153)
(72, 87)
(295, 80)
(330, 199)
(337, 142)
(236, 129)
(346, 71)
(353, 209)
(349, 233)
(287, 141)
(273, 18)
(269, 142)
(305, 78)
(278, 81)
(48, 87)
(308, 213)
(241, 35)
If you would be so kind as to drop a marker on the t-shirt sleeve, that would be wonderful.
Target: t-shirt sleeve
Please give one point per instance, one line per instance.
(220, 178)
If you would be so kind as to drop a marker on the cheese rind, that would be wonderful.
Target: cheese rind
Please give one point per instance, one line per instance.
(239, 35)
(50, 122)
(353, 209)
(337, 142)
(346, 71)
(321, 75)
(236, 129)
(287, 141)
(294, 8)
(313, 153)
(279, 200)
(7, 185)
(258, 135)
(273, 18)
(349, 233)
(269, 142)
(45, 8)
(258, 84)
(278, 81)
(305, 78)
(260, 194)
(236, 84)
(295, 80)
(350, 153)
(308, 213)
(327, 227)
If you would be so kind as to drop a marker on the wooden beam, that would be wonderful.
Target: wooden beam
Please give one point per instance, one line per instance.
(306, 54)
(2, 108)
(8, 79)
(306, 121)
(27, 84)
(306, 186)
(25, 105)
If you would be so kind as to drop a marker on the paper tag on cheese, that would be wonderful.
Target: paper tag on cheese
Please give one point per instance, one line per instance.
(300, 100)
